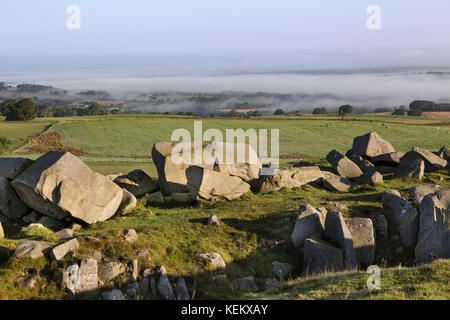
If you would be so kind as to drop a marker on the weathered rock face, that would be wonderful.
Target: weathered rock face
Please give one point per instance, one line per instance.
(10, 204)
(137, 182)
(308, 224)
(287, 178)
(413, 169)
(60, 185)
(363, 236)
(370, 177)
(320, 256)
(371, 145)
(205, 184)
(432, 161)
(10, 168)
(282, 269)
(59, 252)
(182, 291)
(337, 231)
(363, 164)
(128, 202)
(210, 155)
(88, 275)
(343, 165)
(211, 260)
(336, 183)
(388, 159)
(434, 233)
(164, 288)
(419, 192)
(32, 249)
(108, 270)
(402, 215)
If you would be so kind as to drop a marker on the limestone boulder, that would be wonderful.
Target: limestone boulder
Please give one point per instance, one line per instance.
(10, 168)
(434, 232)
(432, 161)
(61, 186)
(137, 182)
(60, 251)
(128, 203)
(109, 270)
(11, 206)
(343, 165)
(320, 256)
(32, 249)
(337, 231)
(371, 145)
(287, 178)
(337, 183)
(205, 184)
(212, 260)
(310, 223)
(419, 192)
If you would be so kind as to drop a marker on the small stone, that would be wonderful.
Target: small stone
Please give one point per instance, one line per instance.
(63, 234)
(143, 254)
(161, 270)
(130, 235)
(33, 249)
(75, 227)
(59, 252)
(212, 260)
(213, 221)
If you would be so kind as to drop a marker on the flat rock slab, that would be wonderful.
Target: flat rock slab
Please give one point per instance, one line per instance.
(339, 184)
(60, 185)
(59, 252)
(32, 249)
(287, 178)
(419, 192)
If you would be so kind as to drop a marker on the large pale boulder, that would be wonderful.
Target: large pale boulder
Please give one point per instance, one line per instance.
(338, 232)
(205, 184)
(371, 145)
(287, 178)
(10, 204)
(402, 215)
(343, 165)
(432, 161)
(320, 256)
(10, 168)
(60, 185)
(434, 232)
(310, 223)
(173, 159)
(137, 182)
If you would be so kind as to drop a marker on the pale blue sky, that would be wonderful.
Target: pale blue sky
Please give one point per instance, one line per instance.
(257, 34)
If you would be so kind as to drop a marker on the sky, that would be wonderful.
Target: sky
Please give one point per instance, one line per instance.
(188, 37)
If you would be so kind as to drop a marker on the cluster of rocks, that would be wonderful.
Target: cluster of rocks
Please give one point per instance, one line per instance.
(423, 226)
(331, 242)
(372, 159)
(57, 190)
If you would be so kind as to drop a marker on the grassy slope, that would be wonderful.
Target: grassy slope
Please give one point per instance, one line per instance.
(174, 235)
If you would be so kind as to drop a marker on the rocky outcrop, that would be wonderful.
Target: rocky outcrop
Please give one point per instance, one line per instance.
(371, 145)
(287, 178)
(60, 185)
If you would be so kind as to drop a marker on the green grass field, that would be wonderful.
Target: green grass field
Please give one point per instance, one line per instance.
(173, 235)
